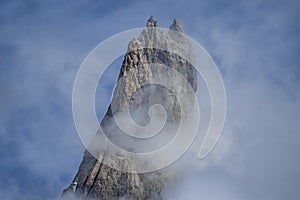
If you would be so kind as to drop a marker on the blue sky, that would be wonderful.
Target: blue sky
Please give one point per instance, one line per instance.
(254, 43)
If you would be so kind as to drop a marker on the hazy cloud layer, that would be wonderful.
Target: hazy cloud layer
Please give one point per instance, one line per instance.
(255, 44)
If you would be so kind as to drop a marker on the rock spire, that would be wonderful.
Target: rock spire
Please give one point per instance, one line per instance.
(95, 180)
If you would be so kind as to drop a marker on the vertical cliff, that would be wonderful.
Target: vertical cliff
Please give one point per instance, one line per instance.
(94, 179)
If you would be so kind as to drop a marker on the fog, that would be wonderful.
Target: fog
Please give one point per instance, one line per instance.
(255, 45)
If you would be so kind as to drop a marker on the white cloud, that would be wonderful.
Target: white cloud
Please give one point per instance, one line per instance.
(254, 43)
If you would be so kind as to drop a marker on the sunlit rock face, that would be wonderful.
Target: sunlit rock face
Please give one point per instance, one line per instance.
(134, 91)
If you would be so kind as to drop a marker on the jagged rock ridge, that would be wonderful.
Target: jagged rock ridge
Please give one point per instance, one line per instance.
(95, 180)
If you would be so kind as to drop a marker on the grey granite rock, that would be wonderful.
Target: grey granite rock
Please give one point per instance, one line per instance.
(95, 180)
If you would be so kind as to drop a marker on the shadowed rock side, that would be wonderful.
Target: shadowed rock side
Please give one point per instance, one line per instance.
(95, 180)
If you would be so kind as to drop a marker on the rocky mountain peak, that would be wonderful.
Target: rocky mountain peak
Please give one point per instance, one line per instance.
(95, 180)
(176, 26)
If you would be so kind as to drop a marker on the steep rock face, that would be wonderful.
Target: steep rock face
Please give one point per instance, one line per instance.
(136, 71)
(95, 180)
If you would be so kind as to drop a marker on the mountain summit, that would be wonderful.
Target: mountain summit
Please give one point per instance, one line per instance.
(94, 179)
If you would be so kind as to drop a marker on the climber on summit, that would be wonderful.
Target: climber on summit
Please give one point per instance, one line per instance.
(151, 22)
(74, 186)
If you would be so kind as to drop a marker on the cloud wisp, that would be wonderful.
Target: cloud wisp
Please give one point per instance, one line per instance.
(255, 44)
